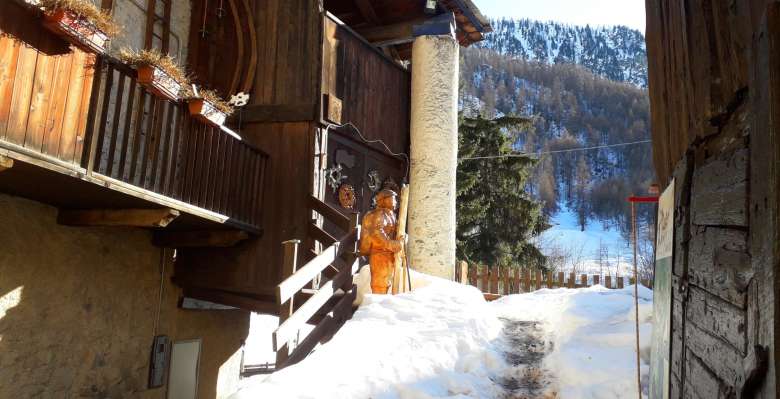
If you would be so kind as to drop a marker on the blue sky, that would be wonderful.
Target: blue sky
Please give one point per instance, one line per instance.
(578, 12)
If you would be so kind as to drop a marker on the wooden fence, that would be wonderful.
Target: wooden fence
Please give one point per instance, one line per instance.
(497, 281)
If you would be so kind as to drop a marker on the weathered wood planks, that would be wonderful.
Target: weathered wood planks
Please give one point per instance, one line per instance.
(497, 281)
(44, 87)
(375, 92)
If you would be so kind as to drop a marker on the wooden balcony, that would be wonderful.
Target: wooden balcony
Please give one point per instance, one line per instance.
(85, 135)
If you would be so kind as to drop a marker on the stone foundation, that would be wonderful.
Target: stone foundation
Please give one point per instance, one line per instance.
(78, 308)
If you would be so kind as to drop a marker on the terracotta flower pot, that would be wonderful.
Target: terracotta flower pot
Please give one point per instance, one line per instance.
(158, 82)
(206, 112)
(78, 31)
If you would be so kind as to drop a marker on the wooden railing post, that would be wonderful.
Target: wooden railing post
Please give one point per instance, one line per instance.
(93, 132)
(493, 279)
(526, 280)
(289, 264)
(464, 272)
(572, 277)
(584, 280)
(485, 276)
(608, 281)
(538, 279)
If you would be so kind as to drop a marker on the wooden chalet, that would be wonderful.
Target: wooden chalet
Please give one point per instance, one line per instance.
(327, 81)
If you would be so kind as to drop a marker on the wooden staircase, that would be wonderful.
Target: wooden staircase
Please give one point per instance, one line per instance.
(325, 305)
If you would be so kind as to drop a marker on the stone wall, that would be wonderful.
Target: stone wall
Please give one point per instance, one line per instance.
(714, 95)
(78, 311)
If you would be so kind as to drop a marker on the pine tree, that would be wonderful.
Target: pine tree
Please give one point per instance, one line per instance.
(497, 218)
(581, 193)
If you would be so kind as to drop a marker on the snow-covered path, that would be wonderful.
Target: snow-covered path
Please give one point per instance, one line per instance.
(445, 341)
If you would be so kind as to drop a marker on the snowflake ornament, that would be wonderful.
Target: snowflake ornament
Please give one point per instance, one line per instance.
(239, 99)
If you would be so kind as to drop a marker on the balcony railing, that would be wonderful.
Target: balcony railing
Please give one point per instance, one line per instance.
(153, 144)
(86, 116)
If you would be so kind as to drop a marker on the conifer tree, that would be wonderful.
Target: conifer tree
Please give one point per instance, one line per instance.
(497, 218)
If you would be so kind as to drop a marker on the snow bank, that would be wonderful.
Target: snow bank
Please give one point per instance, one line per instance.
(434, 342)
(444, 341)
(591, 331)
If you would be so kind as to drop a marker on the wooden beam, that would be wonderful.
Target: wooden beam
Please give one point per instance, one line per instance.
(392, 34)
(276, 113)
(6, 163)
(199, 239)
(118, 217)
(230, 299)
(368, 12)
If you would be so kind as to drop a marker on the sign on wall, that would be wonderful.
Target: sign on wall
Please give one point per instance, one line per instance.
(662, 297)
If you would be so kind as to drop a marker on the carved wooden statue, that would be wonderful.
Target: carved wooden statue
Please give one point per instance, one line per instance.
(376, 240)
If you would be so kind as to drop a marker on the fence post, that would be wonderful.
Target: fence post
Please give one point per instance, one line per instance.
(620, 282)
(516, 286)
(289, 264)
(572, 282)
(493, 279)
(485, 276)
(549, 280)
(538, 284)
(507, 276)
(464, 272)
(608, 281)
(561, 280)
(584, 280)
(596, 279)
(527, 280)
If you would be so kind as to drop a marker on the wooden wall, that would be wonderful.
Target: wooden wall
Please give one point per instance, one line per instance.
(296, 65)
(286, 78)
(698, 70)
(375, 91)
(715, 104)
(254, 267)
(45, 86)
(357, 162)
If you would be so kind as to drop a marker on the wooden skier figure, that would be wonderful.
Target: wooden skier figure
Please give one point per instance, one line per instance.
(376, 240)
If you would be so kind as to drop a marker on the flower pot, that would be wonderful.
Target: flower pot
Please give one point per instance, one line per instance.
(158, 82)
(78, 31)
(206, 112)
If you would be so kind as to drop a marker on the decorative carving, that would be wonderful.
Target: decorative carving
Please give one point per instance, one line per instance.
(335, 176)
(347, 196)
(239, 99)
(376, 240)
(345, 158)
(374, 181)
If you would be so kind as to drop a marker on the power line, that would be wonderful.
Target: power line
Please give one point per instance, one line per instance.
(528, 154)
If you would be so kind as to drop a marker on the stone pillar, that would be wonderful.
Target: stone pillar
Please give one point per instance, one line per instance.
(434, 154)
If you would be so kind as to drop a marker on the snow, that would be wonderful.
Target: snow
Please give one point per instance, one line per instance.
(593, 335)
(444, 341)
(566, 232)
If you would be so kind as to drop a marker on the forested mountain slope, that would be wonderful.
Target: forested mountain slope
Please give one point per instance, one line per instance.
(520, 70)
(617, 53)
